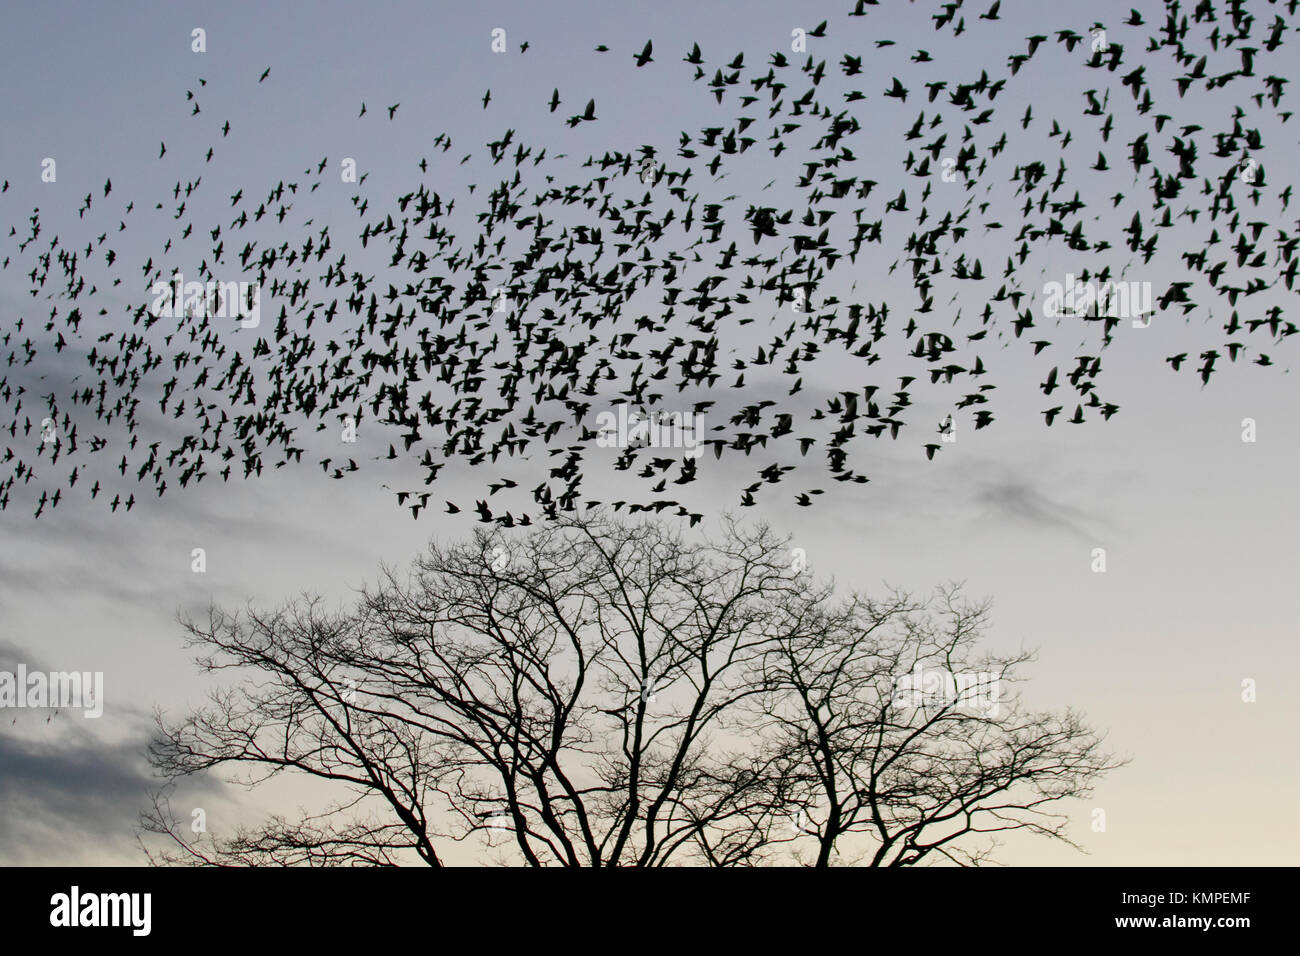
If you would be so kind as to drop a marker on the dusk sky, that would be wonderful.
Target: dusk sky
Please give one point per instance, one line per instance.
(1198, 526)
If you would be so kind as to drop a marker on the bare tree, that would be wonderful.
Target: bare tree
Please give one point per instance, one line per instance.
(896, 742)
(597, 693)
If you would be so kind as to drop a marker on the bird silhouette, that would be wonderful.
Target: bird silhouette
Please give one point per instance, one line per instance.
(488, 323)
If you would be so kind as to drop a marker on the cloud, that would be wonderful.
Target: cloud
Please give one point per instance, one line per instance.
(73, 801)
(1015, 499)
(71, 790)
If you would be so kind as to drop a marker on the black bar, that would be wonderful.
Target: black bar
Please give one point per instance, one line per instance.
(678, 907)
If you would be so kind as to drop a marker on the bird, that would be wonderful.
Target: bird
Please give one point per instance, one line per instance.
(398, 323)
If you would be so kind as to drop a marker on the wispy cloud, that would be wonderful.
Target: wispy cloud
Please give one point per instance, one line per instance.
(71, 790)
(76, 800)
(1018, 500)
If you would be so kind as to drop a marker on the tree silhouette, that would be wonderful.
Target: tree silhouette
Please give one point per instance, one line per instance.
(600, 693)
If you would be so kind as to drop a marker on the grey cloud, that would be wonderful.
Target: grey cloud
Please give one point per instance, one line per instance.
(1018, 500)
(74, 800)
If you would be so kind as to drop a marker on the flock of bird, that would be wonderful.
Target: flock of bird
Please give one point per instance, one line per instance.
(496, 323)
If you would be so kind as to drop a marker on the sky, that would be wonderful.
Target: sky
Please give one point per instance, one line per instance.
(1198, 525)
